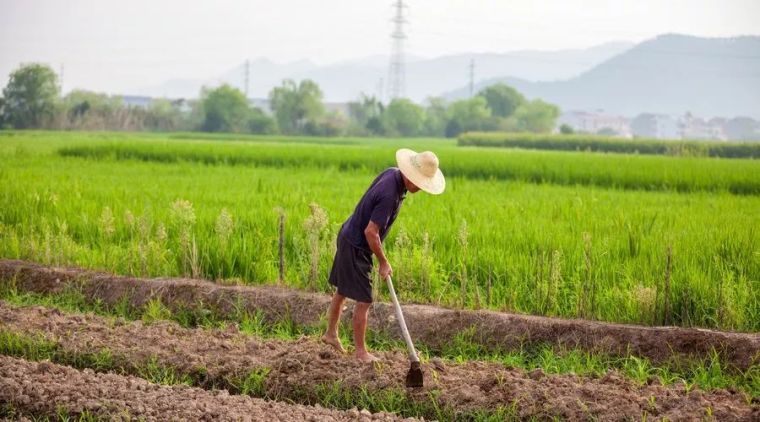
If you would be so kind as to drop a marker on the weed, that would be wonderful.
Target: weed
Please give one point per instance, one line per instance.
(253, 384)
(158, 373)
(155, 310)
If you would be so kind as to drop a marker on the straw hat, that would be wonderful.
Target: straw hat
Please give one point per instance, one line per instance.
(421, 169)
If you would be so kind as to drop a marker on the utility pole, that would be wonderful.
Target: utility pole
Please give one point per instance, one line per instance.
(60, 77)
(396, 76)
(472, 77)
(247, 76)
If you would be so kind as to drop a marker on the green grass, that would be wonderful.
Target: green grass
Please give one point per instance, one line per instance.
(254, 384)
(570, 251)
(707, 374)
(596, 143)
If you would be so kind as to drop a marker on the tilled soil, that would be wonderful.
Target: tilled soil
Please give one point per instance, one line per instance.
(41, 389)
(298, 368)
(430, 325)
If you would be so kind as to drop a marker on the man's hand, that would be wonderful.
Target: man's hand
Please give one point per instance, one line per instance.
(385, 269)
(372, 233)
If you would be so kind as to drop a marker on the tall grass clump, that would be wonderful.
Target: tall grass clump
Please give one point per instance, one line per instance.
(315, 226)
(183, 220)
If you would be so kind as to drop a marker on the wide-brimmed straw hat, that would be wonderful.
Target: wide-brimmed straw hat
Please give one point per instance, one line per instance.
(421, 169)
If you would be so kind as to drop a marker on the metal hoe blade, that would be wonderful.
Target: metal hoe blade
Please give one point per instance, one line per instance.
(414, 376)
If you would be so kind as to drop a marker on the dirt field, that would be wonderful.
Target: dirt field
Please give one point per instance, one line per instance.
(41, 389)
(428, 324)
(298, 368)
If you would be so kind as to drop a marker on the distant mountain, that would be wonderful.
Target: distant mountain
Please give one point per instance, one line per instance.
(345, 80)
(264, 74)
(669, 74)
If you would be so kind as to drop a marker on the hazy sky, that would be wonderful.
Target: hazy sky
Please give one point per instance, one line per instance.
(115, 45)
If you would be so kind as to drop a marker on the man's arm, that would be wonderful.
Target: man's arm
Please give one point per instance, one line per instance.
(372, 233)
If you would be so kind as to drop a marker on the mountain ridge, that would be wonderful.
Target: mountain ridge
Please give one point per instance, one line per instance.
(345, 80)
(669, 74)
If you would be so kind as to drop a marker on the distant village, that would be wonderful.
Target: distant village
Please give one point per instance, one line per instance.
(645, 125)
(662, 126)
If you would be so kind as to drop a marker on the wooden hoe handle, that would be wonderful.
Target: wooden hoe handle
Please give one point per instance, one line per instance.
(400, 317)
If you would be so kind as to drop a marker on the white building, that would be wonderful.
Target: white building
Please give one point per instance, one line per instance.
(596, 122)
(657, 126)
(697, 128)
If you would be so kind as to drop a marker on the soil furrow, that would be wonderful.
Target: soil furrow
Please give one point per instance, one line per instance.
(299, 370)
(430, 325)
(44, 389)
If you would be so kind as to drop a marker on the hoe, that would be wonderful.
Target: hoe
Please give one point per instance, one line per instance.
(414, 376)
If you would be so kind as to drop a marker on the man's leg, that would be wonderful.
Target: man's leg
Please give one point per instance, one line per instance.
(361, 309)
(333, 318)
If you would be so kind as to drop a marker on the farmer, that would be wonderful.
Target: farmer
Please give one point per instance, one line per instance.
(362, 235)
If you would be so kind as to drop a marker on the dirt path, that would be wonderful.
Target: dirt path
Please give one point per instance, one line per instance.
(41, 388)
(430, 325)
(298, 368)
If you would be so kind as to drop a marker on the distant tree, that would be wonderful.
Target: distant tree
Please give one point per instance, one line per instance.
(403, 117)
(535, 116)
(196, 115)
(436, 117)
(79, 102)
(162, 115)
(366, 115)
(329, 124)
(566, 129)
(467, 115)
(225, 109)
(453, 129)
(90, 111)
(503, 100)
(2, 114)
(375, 125)
(259, 122)
(31, 96)
(295, 105)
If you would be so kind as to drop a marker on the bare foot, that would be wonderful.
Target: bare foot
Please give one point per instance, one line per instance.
(334, 342)
(366, 357)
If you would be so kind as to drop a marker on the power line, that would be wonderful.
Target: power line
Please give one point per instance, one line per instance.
(396, 83)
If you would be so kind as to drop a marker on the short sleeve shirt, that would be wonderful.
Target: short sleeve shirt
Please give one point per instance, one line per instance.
(379, 204)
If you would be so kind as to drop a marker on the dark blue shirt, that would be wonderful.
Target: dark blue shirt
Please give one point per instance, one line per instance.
(379, 204)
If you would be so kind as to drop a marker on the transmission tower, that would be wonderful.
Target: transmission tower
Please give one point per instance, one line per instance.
(396, 76)
(247, 76)
(60, 77)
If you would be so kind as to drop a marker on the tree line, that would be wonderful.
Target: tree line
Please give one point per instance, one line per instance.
(32, 100)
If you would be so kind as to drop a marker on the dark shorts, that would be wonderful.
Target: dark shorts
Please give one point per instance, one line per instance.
(351, 271)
